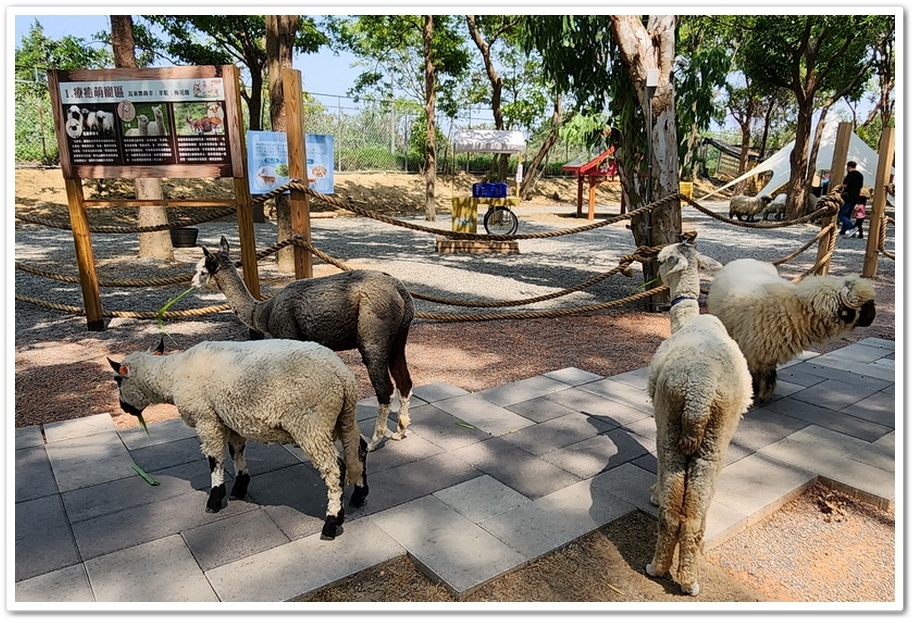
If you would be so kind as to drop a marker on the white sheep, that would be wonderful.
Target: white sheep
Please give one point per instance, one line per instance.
(368, 310)
(277, 391)
(748, 207)
(700, 387)
(773, 319)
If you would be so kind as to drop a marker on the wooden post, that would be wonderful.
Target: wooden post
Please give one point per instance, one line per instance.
(295, 149)
(85, 261)
(579, 196)
(879, 202)
(239, 156)
(837, 173)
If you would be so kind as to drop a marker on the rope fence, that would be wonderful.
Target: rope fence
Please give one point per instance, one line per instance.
(826, 207)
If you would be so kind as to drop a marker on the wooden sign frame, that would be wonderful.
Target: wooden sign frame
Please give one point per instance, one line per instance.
(101, 134)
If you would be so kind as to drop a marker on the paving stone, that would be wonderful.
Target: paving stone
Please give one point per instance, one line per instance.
(43, 539)
(859, 352)
(816, 449)
(83, 461)
(481, 498)
(79, 427)
(157, 571)
(890, 345)
(621, 392)
(304, 565)
(34, 477)
(858, 378)
(395, 452)
(758, 485)
(637, 379)
(547, 523)
(539, 410)
(296, 498)
(881, 453)
(630, 483)
(879, 370)
(441, 428)
(178, 452)
(834, 395)
(520, 391)
(597, 453)
(573, 376)
(448, 546)
(29, 436)
(483, 415)
(159, 433)
(590, 403)
(836, 421)
(233, 538)
(880, 408)
(435, 392)
(521, 470)
(69, 584)
(557, 433)
(760, 427)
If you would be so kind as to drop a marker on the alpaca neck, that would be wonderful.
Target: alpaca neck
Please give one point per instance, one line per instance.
(245, 306)
(683, 310)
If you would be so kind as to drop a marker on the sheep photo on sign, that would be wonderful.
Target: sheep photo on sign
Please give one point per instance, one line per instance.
(368, 310)
(700, 387)
(774, 320)
(281, 391)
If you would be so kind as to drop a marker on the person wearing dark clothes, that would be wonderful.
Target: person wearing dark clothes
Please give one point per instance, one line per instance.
(852, 189)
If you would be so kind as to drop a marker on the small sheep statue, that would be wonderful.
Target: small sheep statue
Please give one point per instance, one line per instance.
(364, 309)
(277, 391)
(773, 319)
(700, 387)
(748, 207)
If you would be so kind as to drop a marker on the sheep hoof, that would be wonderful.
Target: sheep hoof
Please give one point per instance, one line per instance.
(359, 495)
(240, 488)
(332, 524)
(215, 501)
(691, 589)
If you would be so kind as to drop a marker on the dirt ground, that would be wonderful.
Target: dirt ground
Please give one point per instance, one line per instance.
(606, 566)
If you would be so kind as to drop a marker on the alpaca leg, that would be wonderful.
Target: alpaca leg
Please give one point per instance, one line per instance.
(670, 492)
(242, 477)
(701, 475)
(397, 365)
(377, 365)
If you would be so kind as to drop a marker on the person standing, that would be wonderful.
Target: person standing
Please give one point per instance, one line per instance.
(852, 189)
(859, 214)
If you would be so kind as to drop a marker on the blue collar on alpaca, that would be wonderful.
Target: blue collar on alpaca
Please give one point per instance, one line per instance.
(680, 299)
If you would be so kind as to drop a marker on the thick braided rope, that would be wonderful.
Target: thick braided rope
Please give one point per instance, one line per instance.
(882, 237)
(118, 229)
(185, 313)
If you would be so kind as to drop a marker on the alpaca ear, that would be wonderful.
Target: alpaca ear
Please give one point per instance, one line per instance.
(708, 263)
(161, 347)
(224, 245)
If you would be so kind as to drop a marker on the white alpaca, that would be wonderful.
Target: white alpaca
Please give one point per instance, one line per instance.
(700, 387)
(157, 126)
(142, 126)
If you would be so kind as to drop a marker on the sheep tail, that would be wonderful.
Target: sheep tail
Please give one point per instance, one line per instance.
(694, 420)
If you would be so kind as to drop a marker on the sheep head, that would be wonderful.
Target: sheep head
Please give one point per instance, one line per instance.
(210, 264)
(857, 301)
(131, 394)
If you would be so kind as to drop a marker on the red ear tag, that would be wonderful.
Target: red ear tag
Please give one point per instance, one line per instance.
(123, 371)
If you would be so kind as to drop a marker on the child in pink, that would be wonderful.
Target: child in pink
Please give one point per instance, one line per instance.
(859, 214)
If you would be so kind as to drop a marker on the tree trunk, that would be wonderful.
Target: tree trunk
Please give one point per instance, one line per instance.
(556, 121)
(643, 48)
(155, 244)
(496, 91)
(430, 108)
(798, 160)
(281, 33)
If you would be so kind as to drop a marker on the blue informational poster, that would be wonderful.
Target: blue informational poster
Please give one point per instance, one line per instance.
(268, 163)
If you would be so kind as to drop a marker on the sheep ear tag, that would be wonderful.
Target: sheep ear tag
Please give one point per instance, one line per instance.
(847, 314)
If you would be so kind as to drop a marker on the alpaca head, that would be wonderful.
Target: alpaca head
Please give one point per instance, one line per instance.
(210, 264)
(679, 265)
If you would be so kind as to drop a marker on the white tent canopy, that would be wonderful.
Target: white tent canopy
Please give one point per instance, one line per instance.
(489, 141)
(865, 157)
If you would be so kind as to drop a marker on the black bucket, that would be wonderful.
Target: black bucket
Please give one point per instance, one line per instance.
(184, 237)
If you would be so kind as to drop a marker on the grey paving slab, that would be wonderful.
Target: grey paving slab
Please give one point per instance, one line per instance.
(157, 571)
(142, 524)
(521, 391)
(722, 523)
(483, 415)
(558, 432)
(882, 369)
(177, 452)
(159, 433)
(70, 584)
(798, 376)
(827, 418)
(758, 484)
(28, 437)
(295, 498)
(621, 392)
(573, 376)
(590, 403)
(86, 460)
(597, 453)
(434, 392)
(834, 395)
(844, 376)
(79, 427)
(447, 545)
(118, 495)
(880, 408)
(881, 453)
(860, 352)
(43, 539)
(440, 428)
(889, 345)
(394, 452)
(760, 427)
(529, 475)
(630, 483)
(637, 379)
(304, 565)
(539, 410)
(233, 538)
(481, 498)
(34, 478)
(543, 525)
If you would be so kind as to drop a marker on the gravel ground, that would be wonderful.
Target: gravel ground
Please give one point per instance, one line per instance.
(61, 371)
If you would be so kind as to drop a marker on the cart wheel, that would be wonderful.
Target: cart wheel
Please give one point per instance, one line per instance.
(500, 221)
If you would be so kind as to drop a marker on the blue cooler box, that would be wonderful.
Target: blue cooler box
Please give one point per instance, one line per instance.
(490, 190)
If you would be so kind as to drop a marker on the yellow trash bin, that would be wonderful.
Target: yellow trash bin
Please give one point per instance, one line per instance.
(464, 214)
(686, 189)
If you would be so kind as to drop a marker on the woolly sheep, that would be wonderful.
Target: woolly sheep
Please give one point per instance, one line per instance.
(281, 391)
(364, 309)
(700, 387)
(777, 207)
(773, 319)
(748, 207)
